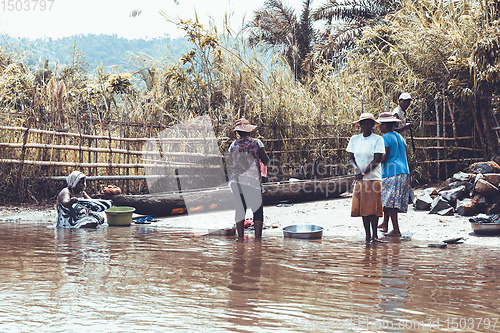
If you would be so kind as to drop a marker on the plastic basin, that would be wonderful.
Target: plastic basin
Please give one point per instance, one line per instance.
(119, 216)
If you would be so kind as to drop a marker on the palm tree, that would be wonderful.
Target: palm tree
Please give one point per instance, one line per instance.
(275, 27)
(345, 21)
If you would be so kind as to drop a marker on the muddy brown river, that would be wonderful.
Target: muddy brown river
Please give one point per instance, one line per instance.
(159, 279)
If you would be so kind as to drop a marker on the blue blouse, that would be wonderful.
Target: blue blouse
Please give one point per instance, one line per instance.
(396, 162)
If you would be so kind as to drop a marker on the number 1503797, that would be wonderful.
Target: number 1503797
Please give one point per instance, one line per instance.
(471, 323)
(26, 5)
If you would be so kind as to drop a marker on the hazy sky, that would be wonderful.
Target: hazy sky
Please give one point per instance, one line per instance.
(26, 18)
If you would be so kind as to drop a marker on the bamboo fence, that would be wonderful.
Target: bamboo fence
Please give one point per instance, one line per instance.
(436, 152)
(112, 169)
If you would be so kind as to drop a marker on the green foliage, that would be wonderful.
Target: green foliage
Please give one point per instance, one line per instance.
(106, 50)
(275, 27)
(344, 23)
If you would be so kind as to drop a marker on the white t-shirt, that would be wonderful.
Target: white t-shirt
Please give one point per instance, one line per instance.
(364, 150)
(401, 115)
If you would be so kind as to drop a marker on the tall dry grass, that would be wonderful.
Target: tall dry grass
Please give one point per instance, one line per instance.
(426, 49)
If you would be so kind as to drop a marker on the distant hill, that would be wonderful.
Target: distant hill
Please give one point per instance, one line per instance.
(108, 50)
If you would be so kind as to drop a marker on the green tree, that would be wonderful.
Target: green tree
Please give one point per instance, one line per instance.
(344, 23)
(275, 27)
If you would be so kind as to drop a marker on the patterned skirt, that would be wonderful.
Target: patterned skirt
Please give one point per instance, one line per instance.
(77, 217)
(367, 198)
(396, 192)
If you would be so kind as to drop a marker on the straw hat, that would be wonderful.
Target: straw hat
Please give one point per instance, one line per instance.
(405, 96)
(365, 116)
(387, 117)
(242, 125)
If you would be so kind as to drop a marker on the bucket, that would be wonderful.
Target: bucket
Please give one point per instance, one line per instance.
(120, 216)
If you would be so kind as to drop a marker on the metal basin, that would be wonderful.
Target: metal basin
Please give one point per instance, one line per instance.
(303, 231)
(486, 228)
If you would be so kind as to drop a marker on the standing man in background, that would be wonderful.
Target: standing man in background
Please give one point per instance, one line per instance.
(403, 127)
(400, 113)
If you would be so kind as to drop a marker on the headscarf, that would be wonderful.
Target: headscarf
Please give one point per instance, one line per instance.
(74, 178)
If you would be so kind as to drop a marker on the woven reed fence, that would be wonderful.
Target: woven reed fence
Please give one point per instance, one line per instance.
(121, 161)
(34, 162)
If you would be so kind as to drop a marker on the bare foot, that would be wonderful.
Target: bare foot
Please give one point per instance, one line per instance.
(393, 234)
(377, 240)
(383, 227)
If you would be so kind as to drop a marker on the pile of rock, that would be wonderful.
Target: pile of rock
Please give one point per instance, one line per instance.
(466, 194)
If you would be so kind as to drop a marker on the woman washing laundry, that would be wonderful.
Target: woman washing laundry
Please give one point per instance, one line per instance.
(75, 208)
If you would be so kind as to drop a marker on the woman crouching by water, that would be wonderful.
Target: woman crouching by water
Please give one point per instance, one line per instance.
(75, 208)
(365, 154)
(395, 174)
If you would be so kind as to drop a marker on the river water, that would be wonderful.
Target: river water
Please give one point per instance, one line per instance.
(157, 278)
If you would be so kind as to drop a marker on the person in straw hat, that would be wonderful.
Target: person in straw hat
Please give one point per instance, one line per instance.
(395, 174)
(365, 154)
(246, 155)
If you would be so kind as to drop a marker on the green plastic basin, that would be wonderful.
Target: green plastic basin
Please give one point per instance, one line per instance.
(121, 216)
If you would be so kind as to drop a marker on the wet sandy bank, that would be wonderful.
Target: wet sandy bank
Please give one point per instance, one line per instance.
(333, 215)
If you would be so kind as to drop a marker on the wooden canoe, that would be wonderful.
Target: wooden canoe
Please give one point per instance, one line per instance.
(221, 198)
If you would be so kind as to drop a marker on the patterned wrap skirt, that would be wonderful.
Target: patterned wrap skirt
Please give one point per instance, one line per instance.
(396, 192)
(367, 198)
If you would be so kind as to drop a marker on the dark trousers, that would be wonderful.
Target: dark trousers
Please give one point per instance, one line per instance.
(247, 197)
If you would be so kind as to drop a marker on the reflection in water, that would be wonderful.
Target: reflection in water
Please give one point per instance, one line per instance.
(393, 284)
(158, 278)
(244, 284)
(378, 287)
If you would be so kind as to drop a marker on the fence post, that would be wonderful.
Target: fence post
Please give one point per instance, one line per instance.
(445, 154)
(438, 134)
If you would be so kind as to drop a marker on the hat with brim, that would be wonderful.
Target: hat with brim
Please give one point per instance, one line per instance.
(366, 116)
(387, 117)
(242, 125)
